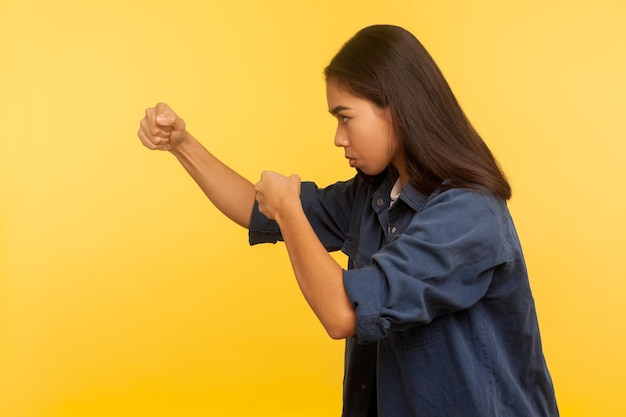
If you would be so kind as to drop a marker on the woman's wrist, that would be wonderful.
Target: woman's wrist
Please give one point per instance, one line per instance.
(289, 211)
(184, 146)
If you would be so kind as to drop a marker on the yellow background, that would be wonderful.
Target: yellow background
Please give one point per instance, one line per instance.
(123, 292)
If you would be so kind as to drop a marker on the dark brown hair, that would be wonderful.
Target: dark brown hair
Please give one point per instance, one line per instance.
(389, 66)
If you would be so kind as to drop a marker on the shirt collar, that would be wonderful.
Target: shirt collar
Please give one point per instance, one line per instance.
(381, 198)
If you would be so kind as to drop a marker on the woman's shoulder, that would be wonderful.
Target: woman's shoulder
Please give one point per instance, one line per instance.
(467, 200)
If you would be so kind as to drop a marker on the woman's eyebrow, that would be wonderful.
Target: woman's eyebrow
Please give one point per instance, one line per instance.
(337, 109)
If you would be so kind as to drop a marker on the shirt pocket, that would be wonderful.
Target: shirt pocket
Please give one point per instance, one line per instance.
(415, 337)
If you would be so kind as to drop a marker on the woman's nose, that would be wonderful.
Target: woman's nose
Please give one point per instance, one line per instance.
(341, 140)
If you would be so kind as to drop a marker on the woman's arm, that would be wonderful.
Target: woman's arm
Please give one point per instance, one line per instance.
(319, 276)
(233, 195)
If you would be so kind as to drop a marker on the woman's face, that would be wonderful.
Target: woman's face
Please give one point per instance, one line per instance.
(364, 131)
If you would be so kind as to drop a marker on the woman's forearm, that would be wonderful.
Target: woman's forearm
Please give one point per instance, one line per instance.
(162, 129)
(231, 193)
(319, 276)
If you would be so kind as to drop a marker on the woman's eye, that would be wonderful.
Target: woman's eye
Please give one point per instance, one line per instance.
(344, 119)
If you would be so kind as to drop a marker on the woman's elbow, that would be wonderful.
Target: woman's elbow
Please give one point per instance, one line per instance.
(341, 329)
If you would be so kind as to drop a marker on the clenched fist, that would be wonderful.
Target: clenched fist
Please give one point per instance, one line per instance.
(277, 194)
(161, 129)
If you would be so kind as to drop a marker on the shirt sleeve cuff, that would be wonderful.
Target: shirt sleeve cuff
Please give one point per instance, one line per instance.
(363, 287)
(262, 229)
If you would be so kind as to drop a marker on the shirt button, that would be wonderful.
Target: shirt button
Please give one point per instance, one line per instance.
(380, 202)
(394, 229)
(363, 387)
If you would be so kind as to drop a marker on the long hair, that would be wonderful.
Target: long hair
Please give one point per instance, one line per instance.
(388, 66)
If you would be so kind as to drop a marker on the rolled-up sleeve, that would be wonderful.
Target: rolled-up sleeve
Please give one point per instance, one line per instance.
(262, 229)
(327, 209)
(442, 262)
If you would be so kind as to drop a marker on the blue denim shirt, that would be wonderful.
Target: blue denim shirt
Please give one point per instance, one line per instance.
(446, 322)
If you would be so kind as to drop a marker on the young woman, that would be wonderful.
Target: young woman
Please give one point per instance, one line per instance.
(435, 304)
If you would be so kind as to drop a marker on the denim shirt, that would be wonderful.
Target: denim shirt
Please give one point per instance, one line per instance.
(446, 322)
